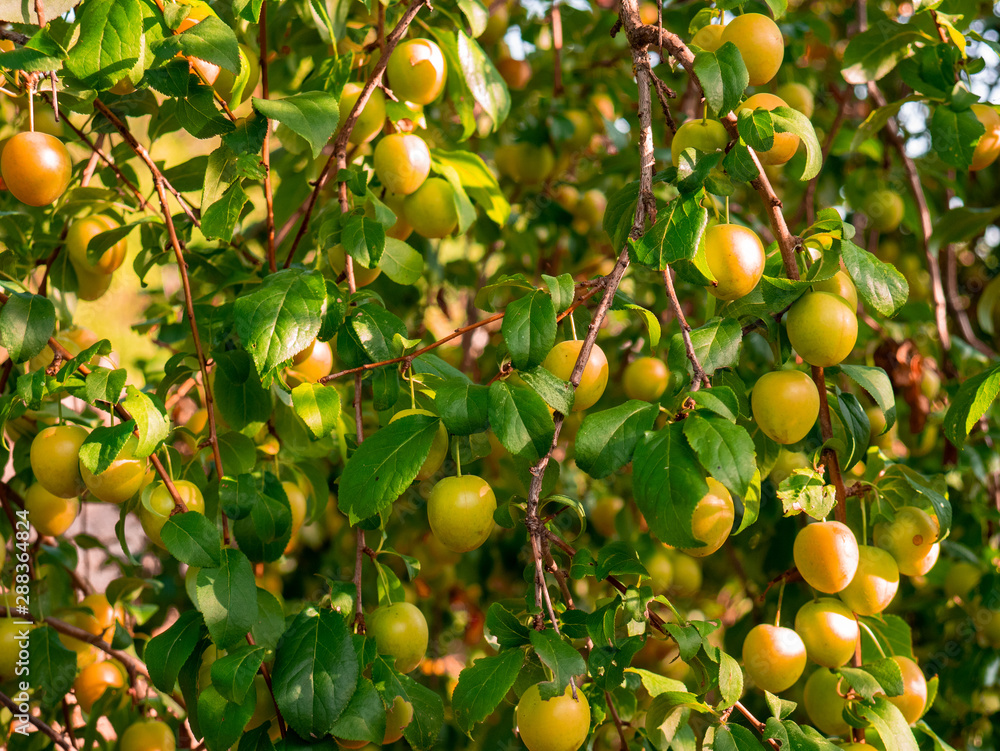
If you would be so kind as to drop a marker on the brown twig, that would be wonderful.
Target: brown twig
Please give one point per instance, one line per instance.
(40, 724)
(266, 152)
(339, 155)
(699, 378)
(617, 719)
(808, 207)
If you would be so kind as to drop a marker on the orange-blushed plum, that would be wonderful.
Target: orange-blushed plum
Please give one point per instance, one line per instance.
(827, 555)
(122, 479)
(759, 41)
(431, 209)
(774, 657)
(645, 378)
(402, 162)
(50, 514)
(94, 680)
(822, 328)
(417, 71)
(713, 518)
(703, 135)
(735, 256)
(91, 286)
(317, 362)
(557, 724)
(562, 359)
(988, 147)
(515, 73)
(460, 512)
(785, 405)
(400, 632)
(829, 631)
(439, 446)
(914, 697)
(78, 237)
(36, 168)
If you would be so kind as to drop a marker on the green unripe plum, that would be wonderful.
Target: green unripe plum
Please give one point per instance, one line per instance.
(431, 209)
(988, 147)
(735, 257)
(786, 463)
(914, 697)
(960, 580)
(824, 704)
(785, 405)
(562, 359)
(583, 129)
(840, 284)
(460, 512)
(337, 256)
(687, 576)
(645, 378)
(147, 735)
(988, 627)
(661, 570)
(884, 209)
(417, 71)
(704, 136)
(785, 144)
(799, 97)
(122, 479)
(50, 514)
(10, 644)
(588, 214)
(528, 163)
(602, 518)
(774, 657)
(713, 518)
(559, 724)
(161, 504)
(263, 709)
(827, 555)
(828, 630)
(496, 26)
(439, 446)
(55, 461)
(402, 162)
(822, 328)
(226, 81)
(759, 41)
(875, 583)
(400, 632)
(709, 38)
(372, 118)
(930, 383)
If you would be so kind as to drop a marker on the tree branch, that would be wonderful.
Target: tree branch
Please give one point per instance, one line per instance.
(699, 378)
(266, 151)
(40, 724)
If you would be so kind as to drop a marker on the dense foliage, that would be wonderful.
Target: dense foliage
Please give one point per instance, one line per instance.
(471, 377)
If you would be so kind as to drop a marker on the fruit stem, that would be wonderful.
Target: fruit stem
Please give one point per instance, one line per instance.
(572, 327)
(704, 112)
(31, 105)
(727, 209)
(458, 459)
(872, 635)
(413, 391)
(864, 522)
(781, 596)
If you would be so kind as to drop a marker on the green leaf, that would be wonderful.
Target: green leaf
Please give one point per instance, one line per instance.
(110, 44)
(315, 671)
(521, 420)
(282, 317)
(719, 400)
(561, 289)
(739, 164)
(211, 40)
(482, 79)
(167, 652)
(270, 623)
(955, 134)
(607, 439)
(227, 598)
(505, 627)
(887, 720)
(26, 323)
(192, 539)
(974, 397)
(264, 534)
(151, 422)
(219, 219)
(756, 129)
(241, 398)
(529, 329)
(104, 385)
(400, 262)
(477, 15)
(735, 737)
(716, 343)
(478, 181)
(668, 483)
(103, 446)
(377, 332)
(318, 406)
(220, 720)
(873, 53)
(483, 685)
(730, 680)
(879, 387)
(618, 214)
(725, 450)
(52, 666)
(723, 76)
(463, 406)
(879, 284)
(364, 717)
(675, 236)
(385, 465)
(893, 635)
(788, 120)
(557, 393)
(805, 490)
(428, 708)
(314, 115)
(232, 674)
(561, 658)
(364, 238)
(618, 558)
